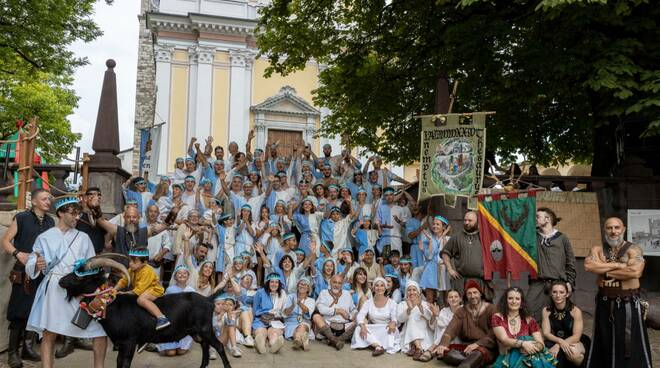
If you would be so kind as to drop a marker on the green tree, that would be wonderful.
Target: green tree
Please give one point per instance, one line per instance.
(36, 66)
(51, 103)
(555, 71)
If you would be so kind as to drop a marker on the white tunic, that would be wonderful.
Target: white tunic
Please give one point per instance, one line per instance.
(52, 311)
(326, 306)
(415, 325)
(441, 323)
(376, 324)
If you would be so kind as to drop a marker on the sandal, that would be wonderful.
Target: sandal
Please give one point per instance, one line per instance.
(427, 356)
(411, 352)
(417, 355)
(378, 351)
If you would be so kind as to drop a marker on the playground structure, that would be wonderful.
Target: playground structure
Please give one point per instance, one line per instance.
(23, 169)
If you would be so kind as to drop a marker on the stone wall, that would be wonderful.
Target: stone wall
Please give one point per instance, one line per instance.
(145, 86)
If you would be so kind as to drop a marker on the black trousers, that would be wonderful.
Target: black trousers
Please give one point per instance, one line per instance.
(619, 338)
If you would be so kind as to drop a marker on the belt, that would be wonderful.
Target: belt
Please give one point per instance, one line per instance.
(615, 297)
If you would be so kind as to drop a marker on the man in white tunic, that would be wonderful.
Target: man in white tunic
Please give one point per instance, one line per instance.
(54, 254)
(336, 314)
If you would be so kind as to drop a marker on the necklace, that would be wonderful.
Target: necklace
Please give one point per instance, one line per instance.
(513, 321)
(559, 314)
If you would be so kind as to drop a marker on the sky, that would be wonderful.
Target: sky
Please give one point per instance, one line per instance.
(119, 41)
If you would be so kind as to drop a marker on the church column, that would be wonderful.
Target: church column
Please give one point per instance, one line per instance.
(192, 95)
(204, 94)
(163, 82)
(310, 130)
(260, 130)
(240, 85)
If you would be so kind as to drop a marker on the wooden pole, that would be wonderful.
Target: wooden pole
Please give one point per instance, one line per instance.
(85, 172)
(25, 163)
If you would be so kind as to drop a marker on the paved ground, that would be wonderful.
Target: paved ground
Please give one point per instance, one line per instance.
(319, 356)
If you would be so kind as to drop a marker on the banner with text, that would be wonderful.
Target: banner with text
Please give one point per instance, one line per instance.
(452, 155)
(149, 144)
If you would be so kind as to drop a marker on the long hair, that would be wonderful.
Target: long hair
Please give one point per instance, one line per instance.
(266, 286)
(395, 285)
(503, 306)
(354, 285)
(161, 190)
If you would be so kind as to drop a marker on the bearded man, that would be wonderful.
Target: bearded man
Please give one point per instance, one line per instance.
(463, 258)
(619, 333)
(131, 235)
(470, 325)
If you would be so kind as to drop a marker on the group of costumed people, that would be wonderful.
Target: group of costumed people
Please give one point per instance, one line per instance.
(303, 248)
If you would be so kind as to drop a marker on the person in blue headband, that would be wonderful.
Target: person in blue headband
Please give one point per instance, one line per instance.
(181, 276)
(145, 283)
(434, 279)
(268, 315)
(225, 324)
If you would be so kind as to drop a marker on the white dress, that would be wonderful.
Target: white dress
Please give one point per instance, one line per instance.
(377, 320)
(52, 311)
(441, 323)
(415, 325)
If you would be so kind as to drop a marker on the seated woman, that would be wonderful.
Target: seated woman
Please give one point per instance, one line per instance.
(181, 275)
(360, 287)
(297, 313)
(224, 323)
(377, 325)
(268, 323)
(518, 335)
(393, 292)
(415, 314)
(562, 328)
(442, 317)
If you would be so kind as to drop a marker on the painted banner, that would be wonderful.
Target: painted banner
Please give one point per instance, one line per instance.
(149, 139)
(507, 228)
(452, 155)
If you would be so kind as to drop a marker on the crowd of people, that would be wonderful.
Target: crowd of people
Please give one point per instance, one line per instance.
(298, 247)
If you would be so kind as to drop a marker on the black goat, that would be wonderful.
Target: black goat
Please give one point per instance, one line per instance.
(129, 326)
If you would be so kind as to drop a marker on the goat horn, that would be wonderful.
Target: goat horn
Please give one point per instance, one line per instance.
(99, 261)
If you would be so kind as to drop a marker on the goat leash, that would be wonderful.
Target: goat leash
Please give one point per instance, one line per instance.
(101, 298)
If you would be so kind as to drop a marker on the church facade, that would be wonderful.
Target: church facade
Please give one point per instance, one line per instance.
(198, 62)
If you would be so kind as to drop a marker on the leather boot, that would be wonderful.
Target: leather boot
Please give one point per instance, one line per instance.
(66, 348)
(29, 344)
(473, 360)
(332, 339)
(349, 330)
(13, 358)
(453, 357)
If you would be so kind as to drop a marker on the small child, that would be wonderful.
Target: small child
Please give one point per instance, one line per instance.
(145, 283)
(224, 322)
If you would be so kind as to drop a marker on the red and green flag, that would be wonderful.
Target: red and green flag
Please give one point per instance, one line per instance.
(507, 227)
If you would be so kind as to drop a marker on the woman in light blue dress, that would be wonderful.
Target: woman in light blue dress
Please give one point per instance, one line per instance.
(431, 244)
(268, 322)
(245, 233)
(308, 222)
(298, 310)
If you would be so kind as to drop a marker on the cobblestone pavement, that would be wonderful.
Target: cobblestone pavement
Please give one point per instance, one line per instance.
(319, 356)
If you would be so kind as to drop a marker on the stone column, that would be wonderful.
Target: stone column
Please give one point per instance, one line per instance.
(240, 82)
(310, 130)
(192, 96)
(162, 111)
(204, 94)
(260, 130)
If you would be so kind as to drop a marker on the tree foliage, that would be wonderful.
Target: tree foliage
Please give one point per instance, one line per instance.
(36, 66)
(553, 70)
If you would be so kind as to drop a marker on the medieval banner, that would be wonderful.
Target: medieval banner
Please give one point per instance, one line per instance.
(452, 154)
(507, 228)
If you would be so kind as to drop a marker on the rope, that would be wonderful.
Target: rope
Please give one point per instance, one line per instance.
(49, 184)
(9, 187)
(11, 141)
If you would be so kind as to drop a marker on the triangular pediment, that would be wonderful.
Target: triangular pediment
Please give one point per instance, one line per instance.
(286, 102)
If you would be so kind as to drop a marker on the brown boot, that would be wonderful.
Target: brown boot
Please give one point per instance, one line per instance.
(29, 344)
(13, 358)
(349, 330)
(332, 339)
(473, 360)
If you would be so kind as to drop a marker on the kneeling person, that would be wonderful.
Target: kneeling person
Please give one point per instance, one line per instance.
(146, 285)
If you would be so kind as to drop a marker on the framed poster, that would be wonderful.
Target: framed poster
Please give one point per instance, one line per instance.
(644, 230)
